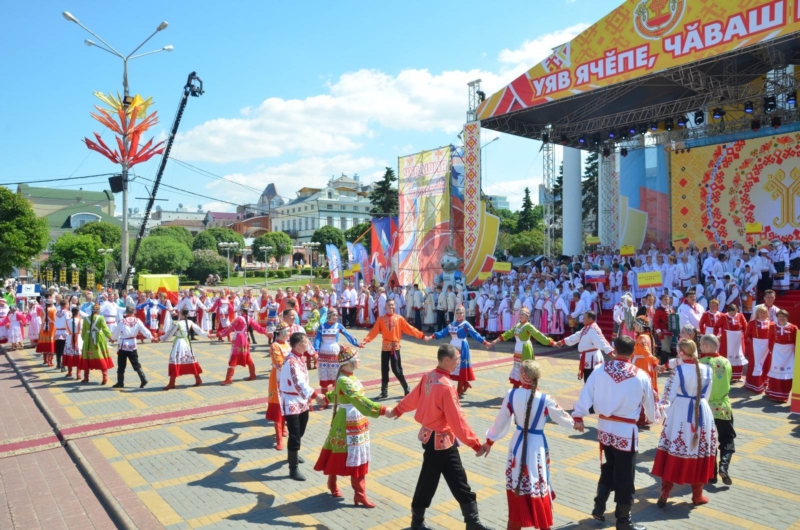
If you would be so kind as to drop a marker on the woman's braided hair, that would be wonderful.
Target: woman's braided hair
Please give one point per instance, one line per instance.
(688, 347)
(531, 372)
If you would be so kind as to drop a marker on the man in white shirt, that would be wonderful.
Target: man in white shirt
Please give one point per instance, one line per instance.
(125, 333)
(619, 391)
(352, 297)
(685, 272)
(591, 345)
(451, 304)
(709, 262)
(190, 303)
(690, 312)
(580, 308)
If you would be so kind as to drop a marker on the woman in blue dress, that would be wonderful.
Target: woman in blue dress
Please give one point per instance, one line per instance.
(459, 330)
(326, 344)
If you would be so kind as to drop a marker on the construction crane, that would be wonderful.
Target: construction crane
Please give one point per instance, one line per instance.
(194, 88)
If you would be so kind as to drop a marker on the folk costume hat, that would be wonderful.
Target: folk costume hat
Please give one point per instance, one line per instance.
(281, 327)
(346, 355)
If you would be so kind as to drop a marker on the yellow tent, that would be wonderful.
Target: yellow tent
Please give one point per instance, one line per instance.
(157, 283)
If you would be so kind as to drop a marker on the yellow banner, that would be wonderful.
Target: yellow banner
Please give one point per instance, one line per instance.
(753, 228)
(679, 236)
(348, 273)
(502, 266)
(649, 279)
(641, 37)
(356, 267)
(487, 275)
(593, 240)
(626, 250)
(795, 406)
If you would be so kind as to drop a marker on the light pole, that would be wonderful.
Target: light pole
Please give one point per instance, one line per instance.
(266, 251)
(105, 252)
(126, 101)
(310, 248)
(228, 247)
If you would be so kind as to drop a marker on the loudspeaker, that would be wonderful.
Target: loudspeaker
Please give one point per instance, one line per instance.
(116, 184)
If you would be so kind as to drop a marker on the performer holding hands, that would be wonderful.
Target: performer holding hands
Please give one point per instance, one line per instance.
(458, 330)
(523, 350)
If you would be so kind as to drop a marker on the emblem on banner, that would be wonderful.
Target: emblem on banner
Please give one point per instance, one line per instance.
(785, 195)
(653, 19)
(559, 59)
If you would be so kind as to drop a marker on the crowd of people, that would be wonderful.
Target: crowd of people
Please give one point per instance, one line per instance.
(675, 328)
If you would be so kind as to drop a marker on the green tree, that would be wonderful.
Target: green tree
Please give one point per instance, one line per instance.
(526, 220)
(225, 235)
(280, 242)
(178, 233)
(161, 255)
(22, 235)
(79, 249)
(589, 190)
(527, 243)
(110, 235)
(204, 241)
(508, 220)
(384, 197)
(205, 262)
(328, 235)
(351, 234)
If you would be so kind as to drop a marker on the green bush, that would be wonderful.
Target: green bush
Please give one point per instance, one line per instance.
(206, 262)
(325, 274)
(271, 274)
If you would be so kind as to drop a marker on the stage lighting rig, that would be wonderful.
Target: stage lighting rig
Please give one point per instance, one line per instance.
(699, 117)
(755, 125)
(596, 139)
(791, 98)
(623, 151)
(776, 122)
(606, 152)
(770, 104)
(748, 107)
(612, 134)
(668, 124)
(654, 126)
(719, 112)
(681, 121)
(632, 130)
(582, 140)
(545, 137)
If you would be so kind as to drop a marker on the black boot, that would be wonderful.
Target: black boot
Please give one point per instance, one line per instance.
(142, 378)
(300, 459)
(599, 512)
(418, 519)
(383, 395)
(724, 462)
(713, 480)
(294, 471)
(624, 521)
(406, 390)
(470, 512)
(120, 380)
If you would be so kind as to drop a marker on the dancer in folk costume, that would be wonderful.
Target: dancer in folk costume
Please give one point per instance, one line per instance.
(459, 330)
(546, 318)
(95, 355)
(528, 489)
(731, 330)
(296, 396)
(35, 318)
(523, 349)
(538, 308)
(156, 318)
(47, 342)
(644, 359)
(270, 310)
(688, 444)
(720, 403)
(126, 332)
(592, 345)
(492, 316)
(346, 451)
(781, 370)
(182, 360)
(74, 346)
(560, 309)
(278, 351)
(224, 310)
(4, 311)
(627, 323)
(240, 347)
(14, 325)
(759, 355)
(326, 344)
(710, 318)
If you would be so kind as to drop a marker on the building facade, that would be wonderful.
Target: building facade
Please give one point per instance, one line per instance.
(66, 210)
(500, 202)
(267, 202)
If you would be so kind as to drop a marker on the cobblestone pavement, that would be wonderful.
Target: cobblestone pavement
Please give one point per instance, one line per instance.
(204, 457)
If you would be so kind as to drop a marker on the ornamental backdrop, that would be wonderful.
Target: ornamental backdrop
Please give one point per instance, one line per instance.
(718, 189)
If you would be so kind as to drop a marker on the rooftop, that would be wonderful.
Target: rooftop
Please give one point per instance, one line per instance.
(61, 194)
(61, 218)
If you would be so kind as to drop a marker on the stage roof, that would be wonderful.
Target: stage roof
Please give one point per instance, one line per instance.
(648, 60)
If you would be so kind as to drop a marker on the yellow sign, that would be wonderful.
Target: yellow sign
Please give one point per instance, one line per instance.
(593, 240)
(98, 287)
(356, 267)
(89, 279)
(484, 275)
(62, 276)
(626, 250)
(753, 228)
(502, 266)
(75, 277)
(679, 237)
(348, 273)
(49, 275)
(649, 279)
(641, 37)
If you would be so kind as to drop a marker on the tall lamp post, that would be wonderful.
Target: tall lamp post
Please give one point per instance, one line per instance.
(310, 248)
(126, 101)
(228, 247)
(266, 250)
(105, 252)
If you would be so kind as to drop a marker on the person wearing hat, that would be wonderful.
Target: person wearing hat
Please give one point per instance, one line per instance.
(240, 347)
(780, 261)
(47, 342)
(344, 454)
(459, 330)
(278, 351)
(523, 349)
(95, 355)
(326, 344)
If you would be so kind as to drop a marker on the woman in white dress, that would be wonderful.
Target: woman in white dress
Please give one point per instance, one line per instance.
(430, 315)
(74, 345)
(688, 444)
(182, 360)
(35, 314)
(16, 328)
(528, 490)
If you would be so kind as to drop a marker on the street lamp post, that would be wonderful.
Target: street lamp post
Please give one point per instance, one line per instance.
(105, 252)
(266, 251)
(126, 101)
(310, 248)
(228, 247)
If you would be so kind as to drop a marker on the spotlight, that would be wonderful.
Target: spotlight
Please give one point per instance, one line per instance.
(654, 126)
(668, 124)
(769, 104)
(748, 107)
(606, 152)
(624, 134)
(642, 129)
(623, 151)
(755, 125)
(582, 140)
(564, 139)
(776, 122)
(791, 97)
(612, 134)
(718, 113)
(632, 130)
(682, 121)
(545, 137)
(699, 117)
(596, 139)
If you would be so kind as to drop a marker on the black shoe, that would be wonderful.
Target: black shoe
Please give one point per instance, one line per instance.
(383, 395)
(300, 459)
(294, 471)
(63, 369)
(142, 378)
(119, 385)
(418, 519)
(599, 511)
(624, 521)
(470, 513)
(407, 391)
(724, 462)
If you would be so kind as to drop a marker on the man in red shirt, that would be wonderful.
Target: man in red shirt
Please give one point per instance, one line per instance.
(437, 409)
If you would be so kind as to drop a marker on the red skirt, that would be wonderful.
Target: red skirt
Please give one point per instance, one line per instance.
(176, 370)
(736, 373)
(274, 412)
(240, 358)
(526, 510)
(102, 364)
(683, 470)
(46, 347)
(70, 361)
(331, 463)
(779, 389)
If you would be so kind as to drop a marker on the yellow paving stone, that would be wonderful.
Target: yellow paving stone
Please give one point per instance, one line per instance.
(181, 435)
(105, 448)
(138, 403)
(398, 497)
(131, 477)
(448, 521)
(789, 496)
(737, 521)
(74, 412)
(754, 445)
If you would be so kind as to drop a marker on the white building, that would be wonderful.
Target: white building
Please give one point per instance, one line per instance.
(343, 203)
(500, 202)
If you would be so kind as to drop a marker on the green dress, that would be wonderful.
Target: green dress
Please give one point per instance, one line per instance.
(523, 350)
(346, 450)
(719, 401)
(95, 335)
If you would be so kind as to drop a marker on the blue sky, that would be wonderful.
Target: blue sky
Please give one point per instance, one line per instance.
(295, 91)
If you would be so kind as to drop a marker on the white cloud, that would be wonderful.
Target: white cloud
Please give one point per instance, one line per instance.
(534, 51)
(511, 189)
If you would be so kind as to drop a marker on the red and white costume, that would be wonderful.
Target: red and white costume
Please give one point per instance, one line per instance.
(74, 345)
(690, 314)
(295, 389)
(709, 321)
(731, 332)
(182, 360)
(760, 354)
(591, 345)
(781, 370)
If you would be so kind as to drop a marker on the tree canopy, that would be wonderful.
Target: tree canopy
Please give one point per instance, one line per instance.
(225, 235)
(351, 234)
(22, 235)
(205, 262)
(78, 249)
(110, 235)
(162, 254)
(328, 235)
(178, 233)
(384, 197)
(280, 242)
(527, 243)
(204, 241)
(589, 190)
(526, 219)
